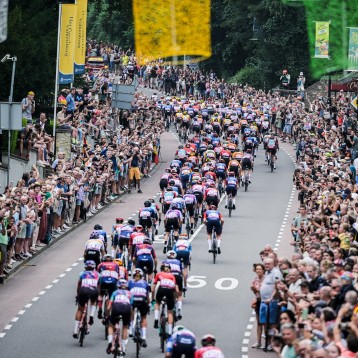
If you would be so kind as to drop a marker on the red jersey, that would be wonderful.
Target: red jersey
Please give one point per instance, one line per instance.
(136, 238)
(166, 279)
(225, 154)
(211, 192)
(123, 273)
(210, 175)
(209, 352)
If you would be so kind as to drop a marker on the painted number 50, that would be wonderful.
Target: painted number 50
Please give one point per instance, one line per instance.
(225, 283)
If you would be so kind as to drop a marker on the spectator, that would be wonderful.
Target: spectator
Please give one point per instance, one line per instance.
(28, 107)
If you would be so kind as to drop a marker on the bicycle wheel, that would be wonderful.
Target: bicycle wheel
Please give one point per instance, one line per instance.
(105, 315)
(137, 334)
(213, 248)
(271, 165)
(230, 206)
(162, 332)
(246, 184)
(82, 333)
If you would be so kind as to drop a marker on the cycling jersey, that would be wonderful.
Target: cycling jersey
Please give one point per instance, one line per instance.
(109, 272)
(89, 279)
(181, 153)
(166, 280)
(189, 199)
(94, 245)
(212, 216)
(121, 297)
(144, 252)
(125, 231)
(139, 290)
(175, 266)
(209, 352)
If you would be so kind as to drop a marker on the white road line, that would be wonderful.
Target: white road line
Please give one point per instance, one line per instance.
(21, 312)
(28, 305)
(55, 281)
(196, 233)
(252, 319)
(35, 299)
(75, 264)
(15, 319)
(68, 269)
(42, 293)
(48, 287)
(244, 349)
(249, 327)
(62, 275)
(2, 335)
(80, 259)
(8, 326)
(247, 334)
(245, 341)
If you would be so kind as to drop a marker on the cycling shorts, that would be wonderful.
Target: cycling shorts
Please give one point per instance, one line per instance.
(199, 197)
(184, 257)
(169, 294)
(179, 282)
(166, 207)
(121, 309)
(123, 241)
(93, 255)
(210, 225)
(87, 293)
(272, 151)
(183, 349)
(221, 175)
(145, 265)
(146, 223)
(231, 190)
(163, 183)
(110, 287)
(212, 200)
(185, 124)
(246, 164)
(172, 223)
(142, 307)
(190, 209)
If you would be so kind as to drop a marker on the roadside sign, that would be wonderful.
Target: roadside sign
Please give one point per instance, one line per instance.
(354, 102)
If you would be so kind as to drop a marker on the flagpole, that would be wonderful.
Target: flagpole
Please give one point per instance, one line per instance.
(57, 65)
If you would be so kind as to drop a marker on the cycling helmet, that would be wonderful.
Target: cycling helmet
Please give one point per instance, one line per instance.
(119, 220)
(139, 227)
(119, 262)
(171, 182)
(180, 147)
(189, 191)
(231, 174)
(213, 207)
(212, 185)
(98, 227)
(169, 188)
(210, 146)
(164, 265)
(94, 235)
(147, 240)
(196, 170)
(90, 264)
(138, 271)
(151, 200)
(147, 204)
(208, 340)
(131, 222)
(178, 328)
(183, 236)
(122, 283)
(221, 160)
(171, 254)
(175, 206)
(107, 257)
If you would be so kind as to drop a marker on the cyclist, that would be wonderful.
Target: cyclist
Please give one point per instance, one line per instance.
(109, 275)
(145, 258)
(231, 188)
(164, 286)
(146, 217)
(212, 195)
(164, 180)
(183, 250)
(190, 204)
(185, 175)
(247, 164)
(181, 342)
(139, 290)
(175, 165)
(173, 219)
(123, 273)
(214, 219)
(168, 197)
(220, 169)
(119, 305)
(86, 290)
(271, 149)
(123, 235)
(137, 237)
(94, 249)
(198, 191)
(159, 216)
(208, 348)
(181, 154)
(99, 229)
(176, 268)
(115, 228)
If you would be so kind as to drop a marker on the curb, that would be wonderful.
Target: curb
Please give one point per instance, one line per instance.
(54, 240)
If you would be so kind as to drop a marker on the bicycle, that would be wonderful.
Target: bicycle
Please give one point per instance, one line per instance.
(196, 216)
(203, 209)
(117, 341)
(83, 326)
(125, 257)
(230, 204)
(246, 179)
(272, 162)
(163, 323)
(105, 313)
(187, 224)
(170, 242)
(214, 245)
(137, 334)
(220, 187)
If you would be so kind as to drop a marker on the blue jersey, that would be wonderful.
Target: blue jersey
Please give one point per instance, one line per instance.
(212, 216)
(175, 266)
(176, 163)
(89, 279)
(231, 182)
(139, 290)
(126, 231)
(182, 245)
(168, 108)
(181, 340)
(146, 213)
(220, 167)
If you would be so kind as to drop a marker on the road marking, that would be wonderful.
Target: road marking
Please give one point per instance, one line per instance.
(21, 312)
(2, 335)
(252, 319)
(249, 327)
(68, 269)
(245, 341)
(75, 264)
(8, 326)
(196, 233)
(62, 275)
(42, 293)
(244, 349)
(15, 319)
(28, 305)
(219, 283)
(200, 281)
(55, 281)
(48, 287)
(35, 299)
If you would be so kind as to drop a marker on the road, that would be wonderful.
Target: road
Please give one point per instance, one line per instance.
(38, 302)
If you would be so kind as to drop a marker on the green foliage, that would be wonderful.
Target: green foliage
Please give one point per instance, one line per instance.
(249, 76)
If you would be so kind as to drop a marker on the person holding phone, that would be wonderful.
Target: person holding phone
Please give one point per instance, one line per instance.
(28, 107)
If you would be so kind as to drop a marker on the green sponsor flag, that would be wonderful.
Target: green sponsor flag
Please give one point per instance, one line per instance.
(353, 49)
(321, 47)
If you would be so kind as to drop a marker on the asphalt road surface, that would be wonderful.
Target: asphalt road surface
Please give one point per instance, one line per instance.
(38, 302)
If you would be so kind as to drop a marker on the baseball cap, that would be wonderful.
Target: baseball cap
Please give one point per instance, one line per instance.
(347, 275)
(31, 93)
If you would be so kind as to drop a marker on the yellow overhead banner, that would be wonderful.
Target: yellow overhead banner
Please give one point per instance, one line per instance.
(322, 39)
(80, 49)
(67, 43)
(172, 28)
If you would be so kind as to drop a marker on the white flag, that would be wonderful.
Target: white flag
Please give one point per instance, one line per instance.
(4, 4)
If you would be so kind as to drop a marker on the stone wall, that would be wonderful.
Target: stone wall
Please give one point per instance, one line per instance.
(63, 142)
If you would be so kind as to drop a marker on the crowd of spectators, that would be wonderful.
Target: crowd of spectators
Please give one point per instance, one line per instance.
(306, 303)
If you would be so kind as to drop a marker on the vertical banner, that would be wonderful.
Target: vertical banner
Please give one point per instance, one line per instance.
(164, 29)
(4, 8)
(322, 40)
(353, 49)
(67, 43)
(80, 50)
